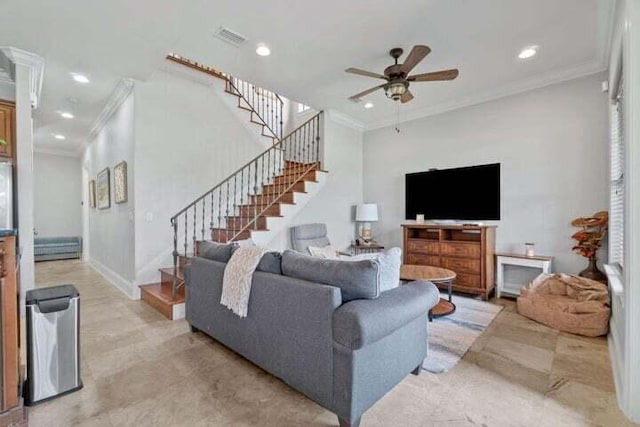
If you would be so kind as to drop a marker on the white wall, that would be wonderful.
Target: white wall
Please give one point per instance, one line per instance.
(112, 230)
(188, 138)
(57, 195)
(335, 203)
(7, 91)
(24, 177)
(551, 142)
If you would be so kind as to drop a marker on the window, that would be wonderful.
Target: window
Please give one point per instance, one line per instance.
(302, 107)
(616, 201)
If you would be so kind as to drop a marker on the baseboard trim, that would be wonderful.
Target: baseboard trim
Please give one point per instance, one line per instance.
(125, 286)
(616, 359)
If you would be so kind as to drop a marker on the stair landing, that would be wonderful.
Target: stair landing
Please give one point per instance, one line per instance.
(159, 295)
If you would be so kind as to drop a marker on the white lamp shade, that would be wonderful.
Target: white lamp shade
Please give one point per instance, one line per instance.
(367, 212)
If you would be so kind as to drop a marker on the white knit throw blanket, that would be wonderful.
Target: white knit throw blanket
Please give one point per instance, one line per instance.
(236, 283)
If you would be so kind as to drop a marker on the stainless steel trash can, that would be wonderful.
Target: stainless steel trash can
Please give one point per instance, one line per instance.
(53, 343)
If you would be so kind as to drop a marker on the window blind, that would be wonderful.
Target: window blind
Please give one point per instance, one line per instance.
(616, 200)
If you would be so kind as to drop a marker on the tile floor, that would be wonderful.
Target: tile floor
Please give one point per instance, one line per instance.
(140, 369)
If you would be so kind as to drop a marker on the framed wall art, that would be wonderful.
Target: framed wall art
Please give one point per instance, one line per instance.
(120, 182)
(92, 194)
(103, 189)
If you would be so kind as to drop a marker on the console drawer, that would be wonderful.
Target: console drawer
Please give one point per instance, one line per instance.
(423, 247)
(466, 250)
(464, 265)
(423, 259)
(468, 280)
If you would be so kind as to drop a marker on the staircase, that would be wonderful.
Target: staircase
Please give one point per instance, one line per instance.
(265, 107)
(248, 201)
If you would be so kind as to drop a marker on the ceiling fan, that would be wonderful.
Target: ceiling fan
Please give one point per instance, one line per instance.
(397, 75)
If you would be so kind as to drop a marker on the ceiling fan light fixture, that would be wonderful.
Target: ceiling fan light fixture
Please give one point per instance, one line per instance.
(396, 90)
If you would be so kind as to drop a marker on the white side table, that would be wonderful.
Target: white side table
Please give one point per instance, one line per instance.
(502, 259)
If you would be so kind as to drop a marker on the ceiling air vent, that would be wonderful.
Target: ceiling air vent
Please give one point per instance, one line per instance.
(230, 37)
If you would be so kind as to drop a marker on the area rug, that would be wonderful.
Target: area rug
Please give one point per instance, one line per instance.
(450, 337)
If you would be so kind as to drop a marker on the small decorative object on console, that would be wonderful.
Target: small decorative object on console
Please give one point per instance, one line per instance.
(589, 241)
(530, 249)
(420, 218)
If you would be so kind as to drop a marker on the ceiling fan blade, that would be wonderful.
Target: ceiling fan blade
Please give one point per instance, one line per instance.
(435, 76)
(416, 55)
(365, 73)
(357, 96)
(406, 97)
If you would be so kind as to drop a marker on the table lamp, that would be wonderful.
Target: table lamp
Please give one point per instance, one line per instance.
(366, 213)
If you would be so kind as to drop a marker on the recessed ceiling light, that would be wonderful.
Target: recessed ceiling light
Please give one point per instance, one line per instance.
(59, 137)
(368, 105)
(67, 115)
(528, 52)
(263, 50)
(80, 78)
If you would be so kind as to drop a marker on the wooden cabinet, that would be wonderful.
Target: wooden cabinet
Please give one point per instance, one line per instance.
(9, 324)
(467, 250)
(7, 128)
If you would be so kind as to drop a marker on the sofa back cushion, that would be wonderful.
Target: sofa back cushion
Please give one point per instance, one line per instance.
(269, 263)
(356, 280)
(215, 251)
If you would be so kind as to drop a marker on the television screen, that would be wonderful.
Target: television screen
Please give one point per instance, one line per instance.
(470, 193)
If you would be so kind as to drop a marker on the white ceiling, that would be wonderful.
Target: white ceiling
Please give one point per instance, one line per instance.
(311, 42)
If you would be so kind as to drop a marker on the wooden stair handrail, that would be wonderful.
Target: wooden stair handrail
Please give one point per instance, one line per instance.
(253, 160)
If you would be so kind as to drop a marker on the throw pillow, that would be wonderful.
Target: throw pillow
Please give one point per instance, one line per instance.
(271, 262)
(390, 262)
(327, 252)
(356, 280)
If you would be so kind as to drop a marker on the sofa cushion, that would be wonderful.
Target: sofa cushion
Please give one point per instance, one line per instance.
(356, 280)
(215, 251)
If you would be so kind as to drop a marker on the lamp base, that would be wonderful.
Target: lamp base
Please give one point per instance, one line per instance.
(365, 234)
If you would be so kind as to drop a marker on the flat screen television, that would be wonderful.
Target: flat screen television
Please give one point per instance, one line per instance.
(469, 193)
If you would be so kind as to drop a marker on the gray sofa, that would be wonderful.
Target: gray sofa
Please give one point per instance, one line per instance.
(344, 356)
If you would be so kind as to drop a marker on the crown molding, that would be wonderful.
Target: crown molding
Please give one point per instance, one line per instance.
(536, 82)
(54, 152)
(34, 63)
(117, 97)
(346, 120)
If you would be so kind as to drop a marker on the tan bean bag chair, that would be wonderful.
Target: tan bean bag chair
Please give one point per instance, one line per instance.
(569, 303)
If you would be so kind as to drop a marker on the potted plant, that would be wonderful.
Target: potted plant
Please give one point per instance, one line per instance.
(589, 238)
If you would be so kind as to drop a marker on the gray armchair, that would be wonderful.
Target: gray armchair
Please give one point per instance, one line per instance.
(305, 235)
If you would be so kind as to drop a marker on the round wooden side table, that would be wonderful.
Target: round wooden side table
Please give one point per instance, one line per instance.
(436, 275)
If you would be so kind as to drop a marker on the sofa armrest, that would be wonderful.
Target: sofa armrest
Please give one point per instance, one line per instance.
(362, 322)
